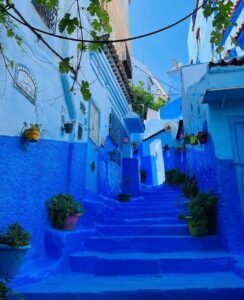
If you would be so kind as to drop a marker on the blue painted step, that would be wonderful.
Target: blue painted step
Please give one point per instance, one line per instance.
(210, 286)
(144, 230)
(146, 214)
(151, 243)
(141, 263)
(144, 221)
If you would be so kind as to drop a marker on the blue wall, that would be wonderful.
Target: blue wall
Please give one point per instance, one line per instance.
(219, 176)
(31, 174)
(130, 176)
(148, 164)
(109, 170)
(174, 159)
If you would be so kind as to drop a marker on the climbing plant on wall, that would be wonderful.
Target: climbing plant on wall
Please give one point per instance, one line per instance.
(97, 17)
(99, 29)
(222, 10)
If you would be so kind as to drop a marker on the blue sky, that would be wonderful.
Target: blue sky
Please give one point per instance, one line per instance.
(158, 51)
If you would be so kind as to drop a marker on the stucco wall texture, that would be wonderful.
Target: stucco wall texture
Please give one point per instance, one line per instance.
(32, 173)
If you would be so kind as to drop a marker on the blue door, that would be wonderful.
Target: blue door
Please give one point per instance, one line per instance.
(237, 126)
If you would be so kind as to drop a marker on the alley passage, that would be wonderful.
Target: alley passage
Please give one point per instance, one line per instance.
(145, 252)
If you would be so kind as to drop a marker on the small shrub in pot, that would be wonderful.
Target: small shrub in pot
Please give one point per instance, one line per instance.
(64, 211)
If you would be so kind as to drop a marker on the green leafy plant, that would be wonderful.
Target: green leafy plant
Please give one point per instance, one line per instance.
(201, 214)
(3, 290)
(16, 236)
(145, 100)
(190, 187)
(61, 206)
(6, 292)
(175, 177)
(221, 21)
(35, 126)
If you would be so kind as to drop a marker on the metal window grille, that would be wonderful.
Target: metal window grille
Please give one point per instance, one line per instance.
(116, 129)
(48, 15)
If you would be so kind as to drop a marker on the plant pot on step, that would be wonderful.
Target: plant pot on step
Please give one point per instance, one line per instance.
(68, 127)
(124, 197)
(13, 248)
(71, 221)
(212, 223)
(11, 259)
(202, 137)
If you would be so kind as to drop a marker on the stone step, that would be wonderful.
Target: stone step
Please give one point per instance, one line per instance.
(211, 286)
(128, 214)
(142, 230)
(151, 243)
(144, 221)
(142, 263)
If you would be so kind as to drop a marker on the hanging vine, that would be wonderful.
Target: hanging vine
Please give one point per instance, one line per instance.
(68, 24)
(222, 10)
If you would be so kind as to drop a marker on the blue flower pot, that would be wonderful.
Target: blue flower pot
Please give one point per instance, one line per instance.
(11, 259)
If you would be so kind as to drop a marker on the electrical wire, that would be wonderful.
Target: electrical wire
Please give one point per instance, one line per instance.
(104, 41)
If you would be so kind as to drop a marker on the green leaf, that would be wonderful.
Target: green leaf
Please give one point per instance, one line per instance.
(82, 47)
(64, 65)
(11, 64)
(69, 24)
(85, 90)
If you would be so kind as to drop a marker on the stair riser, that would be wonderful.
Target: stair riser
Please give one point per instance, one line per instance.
(184, 294)
(146, 214)
(150, 244)
(161, 221)
(113, 267)
(142, 231)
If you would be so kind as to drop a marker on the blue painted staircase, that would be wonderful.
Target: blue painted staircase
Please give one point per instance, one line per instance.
(144, 252)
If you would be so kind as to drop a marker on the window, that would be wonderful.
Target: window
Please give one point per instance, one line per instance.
(116, 130)
(48, 15)
(25, 82)
(94, 123)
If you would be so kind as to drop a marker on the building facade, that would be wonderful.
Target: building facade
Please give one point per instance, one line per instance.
(199, 45)
(86, 161)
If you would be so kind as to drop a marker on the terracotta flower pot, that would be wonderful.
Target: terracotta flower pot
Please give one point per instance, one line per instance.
(32, 134)
(202, 137)
(71, 221)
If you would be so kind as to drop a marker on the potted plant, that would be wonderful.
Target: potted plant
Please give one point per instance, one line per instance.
(69, 126)
(64, 212)
(6, 292)
(193, 140)
(13, 248)
(32, 134)
(143, 175)
(166, 147)
(3, 291)
(186, 139)
(201, 214)
(174, 177)
(124, 197)
(202, 137)
(190, 187)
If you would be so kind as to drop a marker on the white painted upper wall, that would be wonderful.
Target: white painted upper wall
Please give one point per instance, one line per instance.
(53, 96)
(197, 79)
(202, 50)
